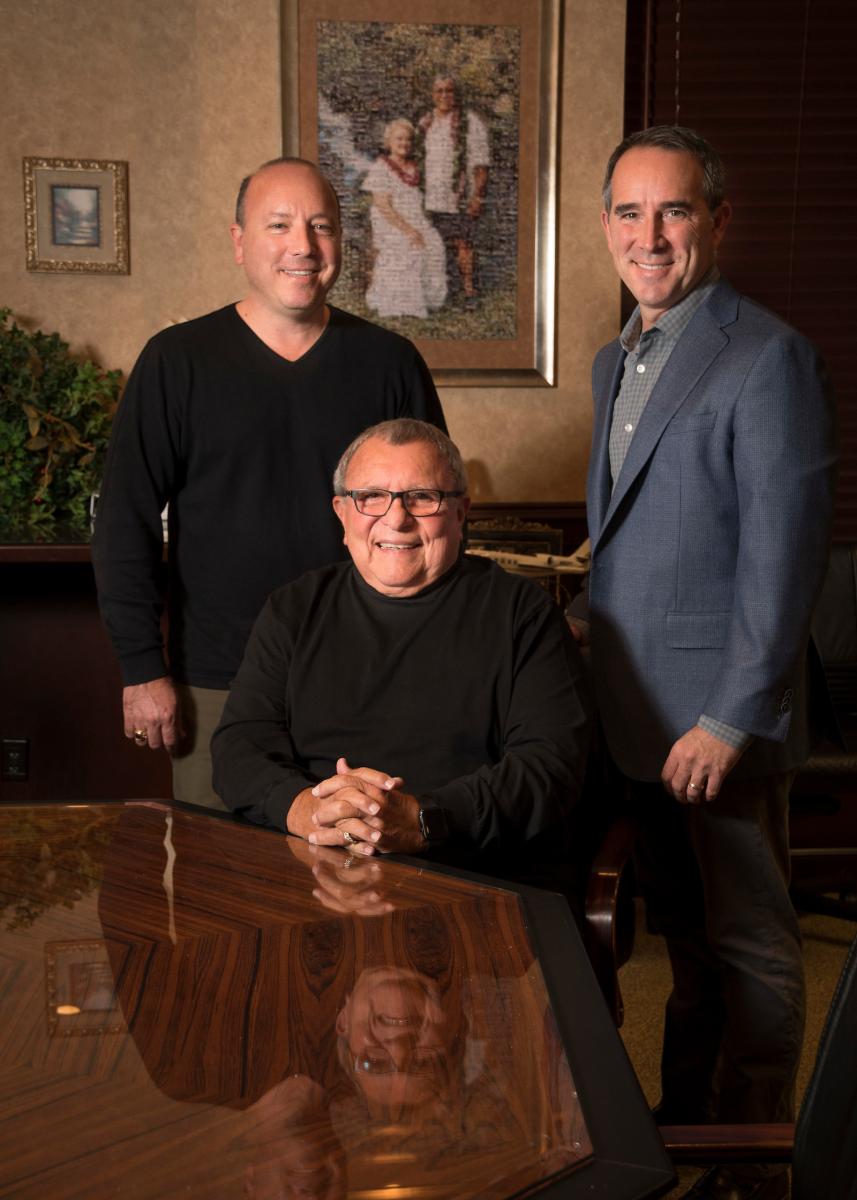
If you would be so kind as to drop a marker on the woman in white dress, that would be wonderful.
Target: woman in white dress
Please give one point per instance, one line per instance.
(409, 271)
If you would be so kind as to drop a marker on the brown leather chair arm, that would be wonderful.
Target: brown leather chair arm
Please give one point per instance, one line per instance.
(603, 911)
(729, 1143)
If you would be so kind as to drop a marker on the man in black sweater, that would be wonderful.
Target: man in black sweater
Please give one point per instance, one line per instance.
(415, 700)
(236, 421)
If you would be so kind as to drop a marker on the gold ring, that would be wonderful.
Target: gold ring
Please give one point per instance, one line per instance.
(693, 786)
(140, 737)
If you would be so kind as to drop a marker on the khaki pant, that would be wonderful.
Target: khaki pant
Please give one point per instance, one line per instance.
(200, 713)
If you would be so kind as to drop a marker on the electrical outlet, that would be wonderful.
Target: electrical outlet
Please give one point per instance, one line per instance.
(15, 759)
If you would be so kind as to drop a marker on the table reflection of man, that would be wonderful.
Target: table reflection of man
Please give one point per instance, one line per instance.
(453, 685)
(400, 1043)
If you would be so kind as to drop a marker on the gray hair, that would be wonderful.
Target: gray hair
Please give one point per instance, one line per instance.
(284, 161)
(682, 141)
(404, 431)
(397, 123)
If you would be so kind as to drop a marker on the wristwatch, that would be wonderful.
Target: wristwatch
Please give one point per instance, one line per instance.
(433, 826)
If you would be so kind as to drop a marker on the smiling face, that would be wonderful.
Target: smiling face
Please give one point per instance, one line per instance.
(443, 95)
(401, 1041)
(660, 231)
(289, 244)
(400, 142)
(397, 554)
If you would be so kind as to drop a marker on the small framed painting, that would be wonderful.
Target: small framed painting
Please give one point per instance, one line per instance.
(76, 213)
(80, 990)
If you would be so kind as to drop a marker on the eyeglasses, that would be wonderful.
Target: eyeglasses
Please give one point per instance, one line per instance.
(419, 502)
(417, 1062)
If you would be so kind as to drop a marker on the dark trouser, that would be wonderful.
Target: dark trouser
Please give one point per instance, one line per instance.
(458, 233)
(715, 878)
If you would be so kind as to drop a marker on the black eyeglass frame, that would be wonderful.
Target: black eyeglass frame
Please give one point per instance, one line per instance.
(354, 493)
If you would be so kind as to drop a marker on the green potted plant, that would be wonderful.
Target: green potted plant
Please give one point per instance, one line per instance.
(55, 416)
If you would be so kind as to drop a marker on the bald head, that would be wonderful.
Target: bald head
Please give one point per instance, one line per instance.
(286, 160)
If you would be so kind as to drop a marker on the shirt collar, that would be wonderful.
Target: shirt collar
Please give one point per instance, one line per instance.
(672, 323)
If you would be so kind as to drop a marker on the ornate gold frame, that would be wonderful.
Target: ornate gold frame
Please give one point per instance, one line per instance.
(112, 256)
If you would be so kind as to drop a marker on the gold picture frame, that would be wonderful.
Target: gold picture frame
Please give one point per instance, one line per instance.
(336, 87)
(76, 215)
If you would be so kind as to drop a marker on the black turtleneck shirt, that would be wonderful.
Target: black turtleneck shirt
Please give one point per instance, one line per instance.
(472, 691)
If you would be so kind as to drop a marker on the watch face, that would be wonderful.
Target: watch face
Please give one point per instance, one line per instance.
(433, 824)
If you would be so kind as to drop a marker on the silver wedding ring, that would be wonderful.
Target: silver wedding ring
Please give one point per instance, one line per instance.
(348, 839)
(693, 787)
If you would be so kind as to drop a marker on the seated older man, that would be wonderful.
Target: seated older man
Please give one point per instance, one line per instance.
(415, 700)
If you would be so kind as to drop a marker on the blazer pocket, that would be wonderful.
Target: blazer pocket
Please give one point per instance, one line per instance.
(697, 630)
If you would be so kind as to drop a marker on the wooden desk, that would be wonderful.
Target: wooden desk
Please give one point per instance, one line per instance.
(190, 1007)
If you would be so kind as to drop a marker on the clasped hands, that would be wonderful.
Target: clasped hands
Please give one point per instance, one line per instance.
(367, 805)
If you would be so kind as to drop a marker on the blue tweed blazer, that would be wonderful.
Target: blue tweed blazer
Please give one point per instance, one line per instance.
(708, 554)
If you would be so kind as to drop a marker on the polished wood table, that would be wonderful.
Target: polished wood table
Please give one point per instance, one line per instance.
(191, 1007)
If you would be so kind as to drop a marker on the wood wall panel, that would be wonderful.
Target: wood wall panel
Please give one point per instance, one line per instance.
(772, 85)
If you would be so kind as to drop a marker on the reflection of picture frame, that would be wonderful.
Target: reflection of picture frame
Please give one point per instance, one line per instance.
(349, 71)
(80, 994)
(76, 213)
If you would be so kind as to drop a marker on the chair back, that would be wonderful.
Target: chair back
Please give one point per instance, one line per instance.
(834, 632)
(824, 1163)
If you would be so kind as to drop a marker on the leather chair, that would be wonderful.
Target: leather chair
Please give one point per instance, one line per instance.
(609, 915)
(824, 796)
(822, 1144)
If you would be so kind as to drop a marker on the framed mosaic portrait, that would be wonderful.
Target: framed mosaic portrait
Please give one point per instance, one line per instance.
(437, 124)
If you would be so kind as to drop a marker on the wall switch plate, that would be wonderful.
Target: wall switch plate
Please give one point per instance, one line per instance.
(15, 755)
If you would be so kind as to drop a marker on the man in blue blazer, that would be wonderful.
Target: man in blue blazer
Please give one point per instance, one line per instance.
(709, 500)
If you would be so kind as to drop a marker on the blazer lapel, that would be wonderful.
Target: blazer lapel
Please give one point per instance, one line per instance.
(696, 349)
(606, 387)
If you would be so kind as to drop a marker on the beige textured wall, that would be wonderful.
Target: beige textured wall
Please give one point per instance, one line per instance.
(188, 92)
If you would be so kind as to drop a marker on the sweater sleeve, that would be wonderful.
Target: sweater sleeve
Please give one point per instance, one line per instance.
(255, 766)
(529, 792)
(127, 546)
(422, 401)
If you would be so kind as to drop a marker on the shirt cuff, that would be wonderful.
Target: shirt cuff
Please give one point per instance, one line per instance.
(738, 739)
